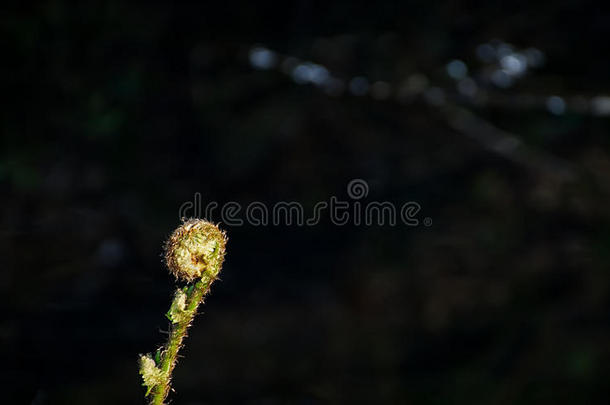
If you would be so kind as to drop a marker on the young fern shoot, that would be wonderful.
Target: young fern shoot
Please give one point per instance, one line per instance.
(194, 254)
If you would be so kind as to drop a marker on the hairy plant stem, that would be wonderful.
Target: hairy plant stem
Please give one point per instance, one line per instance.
(194, 253)
(169, 355)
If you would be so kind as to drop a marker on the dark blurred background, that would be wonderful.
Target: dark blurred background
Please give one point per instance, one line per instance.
(493, 118)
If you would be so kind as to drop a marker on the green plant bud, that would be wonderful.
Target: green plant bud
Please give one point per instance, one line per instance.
(177, 312)
(151, 374)
(194, 253)
(195, 250)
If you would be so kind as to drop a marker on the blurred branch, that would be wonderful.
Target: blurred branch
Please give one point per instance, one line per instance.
(417, 88)
(506, 144)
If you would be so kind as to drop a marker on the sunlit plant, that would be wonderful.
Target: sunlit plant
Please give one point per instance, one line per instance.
(194, 255)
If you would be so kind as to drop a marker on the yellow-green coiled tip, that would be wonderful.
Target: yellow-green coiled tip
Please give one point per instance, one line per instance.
(195, 250)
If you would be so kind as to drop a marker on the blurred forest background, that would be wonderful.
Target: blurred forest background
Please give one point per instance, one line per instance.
(495, 119)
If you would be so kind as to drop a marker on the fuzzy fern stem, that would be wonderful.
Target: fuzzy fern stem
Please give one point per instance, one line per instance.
(178, 332)
(194, 253)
